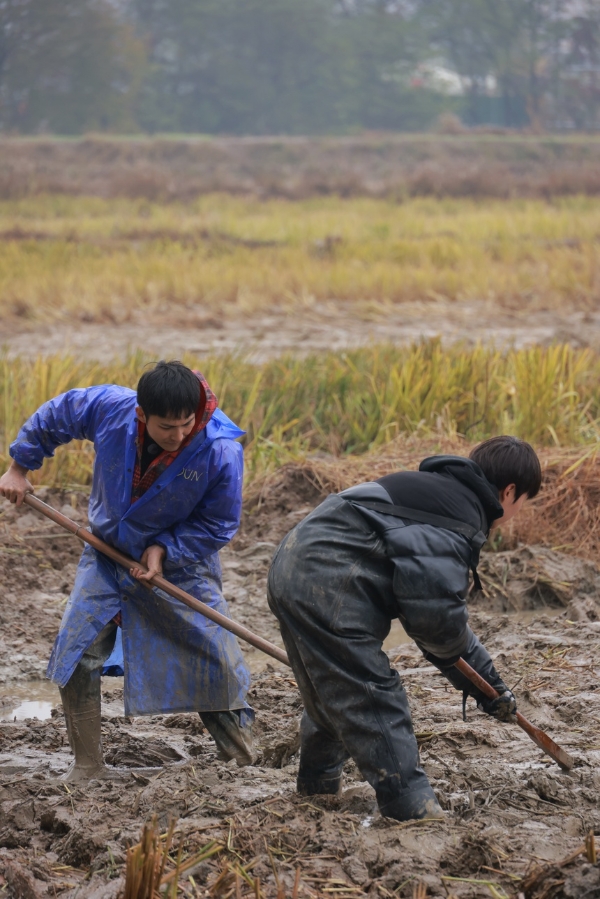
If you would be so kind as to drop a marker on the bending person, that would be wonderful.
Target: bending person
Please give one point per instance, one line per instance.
(167, 489)
(399, 547)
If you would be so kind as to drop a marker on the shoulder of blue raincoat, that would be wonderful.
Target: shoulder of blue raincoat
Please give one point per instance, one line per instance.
(114, 394)
(81, 405)
(116, 404)
(77, 414)
(94, 412)
(222, 426)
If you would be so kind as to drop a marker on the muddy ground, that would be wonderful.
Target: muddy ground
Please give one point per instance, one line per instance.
(514, 821)
(328, 326)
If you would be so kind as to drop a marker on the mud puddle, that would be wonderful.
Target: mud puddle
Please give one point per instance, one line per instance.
(39, 699)
(33, 700)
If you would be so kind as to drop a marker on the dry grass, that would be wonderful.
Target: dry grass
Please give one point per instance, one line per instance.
(219, 256)
(564, 516)
(151, 872)
(377, 165)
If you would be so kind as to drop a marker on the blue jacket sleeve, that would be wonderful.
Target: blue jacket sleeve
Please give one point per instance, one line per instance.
(71, 416)
(216, 518)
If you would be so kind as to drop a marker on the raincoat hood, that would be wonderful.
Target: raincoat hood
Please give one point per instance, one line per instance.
(471, 476)
(206, 405)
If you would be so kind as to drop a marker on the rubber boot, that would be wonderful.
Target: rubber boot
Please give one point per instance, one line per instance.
(81, 705)
(319, 786)
(233, 741)
(406, 805)
(321, 760)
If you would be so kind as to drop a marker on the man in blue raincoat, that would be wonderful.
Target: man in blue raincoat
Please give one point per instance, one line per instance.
(167, 490)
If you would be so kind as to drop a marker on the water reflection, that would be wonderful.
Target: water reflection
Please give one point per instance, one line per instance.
(31, 709)
(33, 699)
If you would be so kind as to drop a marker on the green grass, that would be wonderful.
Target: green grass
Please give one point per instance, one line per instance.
(350, 402)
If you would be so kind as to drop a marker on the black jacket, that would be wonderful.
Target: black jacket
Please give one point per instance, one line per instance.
(430, 565)
(350, 567)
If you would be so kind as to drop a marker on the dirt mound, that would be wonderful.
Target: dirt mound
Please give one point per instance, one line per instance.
(565, 515)
(278, 502)
(534, 577)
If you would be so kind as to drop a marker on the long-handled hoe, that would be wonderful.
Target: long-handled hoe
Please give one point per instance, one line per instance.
(541, 739)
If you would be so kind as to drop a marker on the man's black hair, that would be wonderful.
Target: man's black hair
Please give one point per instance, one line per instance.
(169, 390)
(507, 460)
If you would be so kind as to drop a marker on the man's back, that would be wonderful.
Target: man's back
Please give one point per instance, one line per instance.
(412, 569)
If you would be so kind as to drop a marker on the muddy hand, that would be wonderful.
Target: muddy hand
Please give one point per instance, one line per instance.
(503, 708)
(14, 484)
(152, 558)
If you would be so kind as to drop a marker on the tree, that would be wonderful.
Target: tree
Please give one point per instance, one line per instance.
(239, 66)
(578, 78)
(470, 35)
(281, 66)
(385, 46)
(541, 56)
(67, 66)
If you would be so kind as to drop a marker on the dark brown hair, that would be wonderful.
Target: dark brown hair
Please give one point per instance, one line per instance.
(507, 460)
(169, 390)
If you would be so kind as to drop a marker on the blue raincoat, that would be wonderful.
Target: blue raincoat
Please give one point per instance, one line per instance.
(174, 659)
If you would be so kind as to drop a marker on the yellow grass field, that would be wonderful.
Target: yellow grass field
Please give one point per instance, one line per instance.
(95, 260)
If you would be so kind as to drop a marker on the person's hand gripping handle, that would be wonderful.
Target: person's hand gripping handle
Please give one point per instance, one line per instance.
(14, 484)
(541, 739)
(152, 558)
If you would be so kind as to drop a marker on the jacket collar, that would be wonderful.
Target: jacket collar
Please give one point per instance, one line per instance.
(169, 473)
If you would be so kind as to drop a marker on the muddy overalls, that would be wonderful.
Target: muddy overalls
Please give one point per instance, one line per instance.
(336, 582)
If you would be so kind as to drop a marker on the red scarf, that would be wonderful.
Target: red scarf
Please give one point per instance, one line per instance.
(206, 407)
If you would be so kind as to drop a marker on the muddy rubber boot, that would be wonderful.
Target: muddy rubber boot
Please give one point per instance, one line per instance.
(324, 786)
(233, 741)
(81, 705)
(321, 761)
(411, 805)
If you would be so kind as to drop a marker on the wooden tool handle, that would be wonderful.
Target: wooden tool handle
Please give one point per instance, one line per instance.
(541, 739)
(158, 581)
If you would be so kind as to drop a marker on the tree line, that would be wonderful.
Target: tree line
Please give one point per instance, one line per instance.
(297, 66)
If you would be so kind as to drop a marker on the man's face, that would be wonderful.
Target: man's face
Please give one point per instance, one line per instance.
(168, 433)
